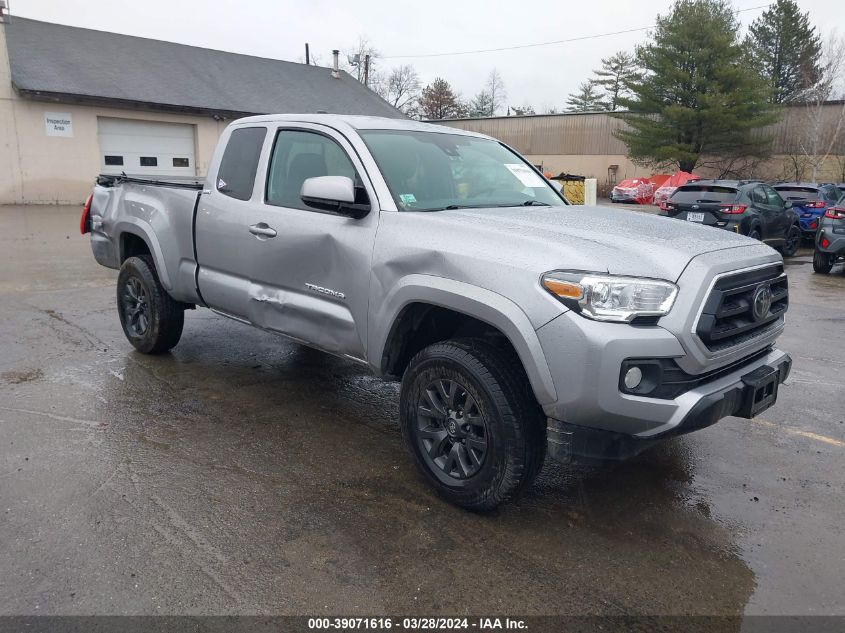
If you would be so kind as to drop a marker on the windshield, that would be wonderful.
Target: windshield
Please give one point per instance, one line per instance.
(430, 171)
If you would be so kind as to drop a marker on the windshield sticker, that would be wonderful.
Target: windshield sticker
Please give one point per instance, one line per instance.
(526, 176)
(407, 198)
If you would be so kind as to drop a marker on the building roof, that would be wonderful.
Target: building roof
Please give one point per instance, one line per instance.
(66, 63)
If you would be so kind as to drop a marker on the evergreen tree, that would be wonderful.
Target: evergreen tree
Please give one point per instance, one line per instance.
(616, 74)
(586, 99)
(697, 98)
(439, 101)
(786, 49)
(481, 105)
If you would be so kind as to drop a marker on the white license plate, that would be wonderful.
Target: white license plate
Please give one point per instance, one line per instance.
(695, 217)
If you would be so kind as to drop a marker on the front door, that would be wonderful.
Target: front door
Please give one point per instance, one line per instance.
(778, 220)
(311, 280)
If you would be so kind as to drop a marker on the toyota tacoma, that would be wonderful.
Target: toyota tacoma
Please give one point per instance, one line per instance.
(520, 327)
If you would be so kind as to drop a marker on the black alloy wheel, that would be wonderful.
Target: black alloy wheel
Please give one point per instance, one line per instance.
(136, 309)
(451, 431)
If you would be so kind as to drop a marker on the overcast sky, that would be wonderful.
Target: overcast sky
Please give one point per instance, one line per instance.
(541, 76)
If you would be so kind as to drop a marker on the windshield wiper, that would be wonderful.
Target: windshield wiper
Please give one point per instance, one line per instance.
(535, 203)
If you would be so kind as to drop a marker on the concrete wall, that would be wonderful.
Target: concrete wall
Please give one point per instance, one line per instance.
(39, 169)
(590, 166)
(585, 143)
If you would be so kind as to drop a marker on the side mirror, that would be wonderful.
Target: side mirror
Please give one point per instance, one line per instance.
(333, 194)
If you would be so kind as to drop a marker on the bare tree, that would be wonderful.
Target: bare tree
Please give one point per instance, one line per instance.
(356, 59)
(495, 88)
(818, 132)
(400, 88)
(840, 167)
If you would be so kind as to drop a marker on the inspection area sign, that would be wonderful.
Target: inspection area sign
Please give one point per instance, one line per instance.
(58, 123)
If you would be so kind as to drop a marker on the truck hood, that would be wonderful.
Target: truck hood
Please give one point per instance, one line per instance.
(586, 238)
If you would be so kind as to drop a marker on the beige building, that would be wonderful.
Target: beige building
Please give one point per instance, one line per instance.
(76, 102)
(584, 143)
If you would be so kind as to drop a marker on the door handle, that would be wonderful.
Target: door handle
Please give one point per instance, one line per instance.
(262, 230)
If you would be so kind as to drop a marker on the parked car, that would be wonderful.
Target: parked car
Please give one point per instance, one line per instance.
(748, 207)
(633, 191)
(830, 238)
(810, 201)
(519, 327)
(671, 184)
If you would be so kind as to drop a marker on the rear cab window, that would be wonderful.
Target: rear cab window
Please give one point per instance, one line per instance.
(236, 175)
(704, 194)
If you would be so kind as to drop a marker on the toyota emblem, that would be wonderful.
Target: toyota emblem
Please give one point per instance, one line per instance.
(761, 303)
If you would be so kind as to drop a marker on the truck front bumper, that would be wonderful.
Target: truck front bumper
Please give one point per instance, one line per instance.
(586, 360)
(743, 393)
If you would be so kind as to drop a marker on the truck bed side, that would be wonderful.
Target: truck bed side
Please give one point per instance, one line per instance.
(132, 215)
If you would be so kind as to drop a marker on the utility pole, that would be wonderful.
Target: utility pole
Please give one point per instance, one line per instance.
(366, 70)
(307, 55)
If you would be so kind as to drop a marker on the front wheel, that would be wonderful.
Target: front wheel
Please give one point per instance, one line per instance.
(822, 262)
(754, 234)
(151, 319)
(471, 422)
(792, 242)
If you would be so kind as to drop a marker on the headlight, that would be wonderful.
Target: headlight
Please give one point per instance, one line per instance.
(610, 298)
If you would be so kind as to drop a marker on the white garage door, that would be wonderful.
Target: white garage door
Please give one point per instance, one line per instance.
(146, 147)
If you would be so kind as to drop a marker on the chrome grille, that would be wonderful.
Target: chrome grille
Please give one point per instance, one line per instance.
(728, 318)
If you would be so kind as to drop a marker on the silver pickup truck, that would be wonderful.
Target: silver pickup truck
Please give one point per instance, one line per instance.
(519, 326)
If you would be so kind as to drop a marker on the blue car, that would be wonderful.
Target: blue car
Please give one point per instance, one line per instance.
(810, 201)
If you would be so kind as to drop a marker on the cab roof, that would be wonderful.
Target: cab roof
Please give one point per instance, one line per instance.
(358, 122)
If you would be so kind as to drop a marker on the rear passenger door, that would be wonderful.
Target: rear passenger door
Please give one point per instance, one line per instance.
(224, 233)
(311, 280)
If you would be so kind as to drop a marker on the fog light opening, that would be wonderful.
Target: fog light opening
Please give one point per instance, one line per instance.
(633, 377)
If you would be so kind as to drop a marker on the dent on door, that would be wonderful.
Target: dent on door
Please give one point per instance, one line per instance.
(310, 284)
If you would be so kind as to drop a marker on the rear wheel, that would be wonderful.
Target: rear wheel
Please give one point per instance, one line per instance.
(471, 422)
(793, 241)
(152, 321)
(822, 262)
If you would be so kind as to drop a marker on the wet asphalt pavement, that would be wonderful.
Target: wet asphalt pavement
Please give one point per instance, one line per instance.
(244, 474)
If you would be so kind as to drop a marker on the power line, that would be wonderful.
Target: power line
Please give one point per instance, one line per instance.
(535, 45)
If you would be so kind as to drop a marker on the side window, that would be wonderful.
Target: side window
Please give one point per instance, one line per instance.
(774, 198)
(236, 175)
(758, 196)
(299, 155)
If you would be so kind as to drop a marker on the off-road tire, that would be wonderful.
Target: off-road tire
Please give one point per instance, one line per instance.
(822, 263)
(514, 422)
(165, 317)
